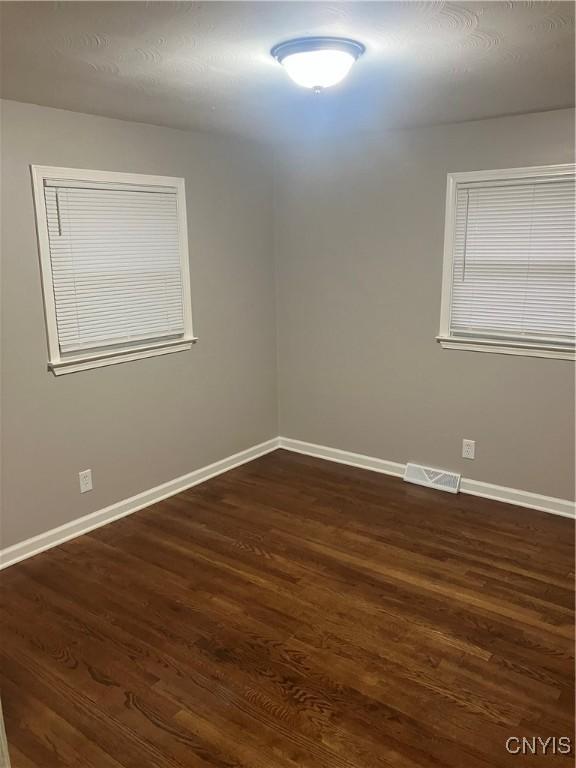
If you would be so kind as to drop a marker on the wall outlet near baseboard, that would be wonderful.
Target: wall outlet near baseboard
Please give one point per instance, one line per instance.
(468, 449)
(85, 478)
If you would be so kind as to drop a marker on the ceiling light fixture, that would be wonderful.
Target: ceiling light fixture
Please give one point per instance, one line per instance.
(317, 62)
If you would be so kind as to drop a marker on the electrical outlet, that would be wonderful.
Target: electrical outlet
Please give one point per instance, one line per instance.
(468, 449)
(85, 480)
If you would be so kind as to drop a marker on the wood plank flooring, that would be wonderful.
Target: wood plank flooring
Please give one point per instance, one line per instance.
(294, 613)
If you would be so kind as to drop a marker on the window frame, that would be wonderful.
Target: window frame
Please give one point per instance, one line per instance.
(487, 343)
(60, 364)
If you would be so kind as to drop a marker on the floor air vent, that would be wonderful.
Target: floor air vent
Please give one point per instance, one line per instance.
(432, 478)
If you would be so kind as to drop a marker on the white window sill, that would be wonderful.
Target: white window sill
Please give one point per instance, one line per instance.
(84, 363)
(508, 347)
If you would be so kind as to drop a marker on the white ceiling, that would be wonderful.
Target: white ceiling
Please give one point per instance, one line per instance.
(207, 65)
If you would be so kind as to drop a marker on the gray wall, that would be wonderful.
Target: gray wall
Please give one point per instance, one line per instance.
(359, 239)
(358, 230)
(142, 423)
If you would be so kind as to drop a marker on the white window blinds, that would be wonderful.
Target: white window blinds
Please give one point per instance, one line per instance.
(114, 260)
(513, 271)
(116, 268)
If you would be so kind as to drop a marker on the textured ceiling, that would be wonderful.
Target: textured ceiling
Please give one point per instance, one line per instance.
(207, 65)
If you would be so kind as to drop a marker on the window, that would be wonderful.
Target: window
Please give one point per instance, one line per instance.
(509, 277)
(114, 260)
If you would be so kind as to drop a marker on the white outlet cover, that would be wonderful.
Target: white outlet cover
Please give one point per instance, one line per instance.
(468, 449)
(85, 478)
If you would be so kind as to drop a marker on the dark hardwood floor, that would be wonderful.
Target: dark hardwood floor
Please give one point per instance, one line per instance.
(294, 613)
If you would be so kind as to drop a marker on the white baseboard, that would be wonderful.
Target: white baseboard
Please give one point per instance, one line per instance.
(563, 507)
(343, 457)
(56, 536)
(551, 504)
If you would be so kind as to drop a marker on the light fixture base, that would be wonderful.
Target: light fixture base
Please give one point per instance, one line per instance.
(303, 44)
